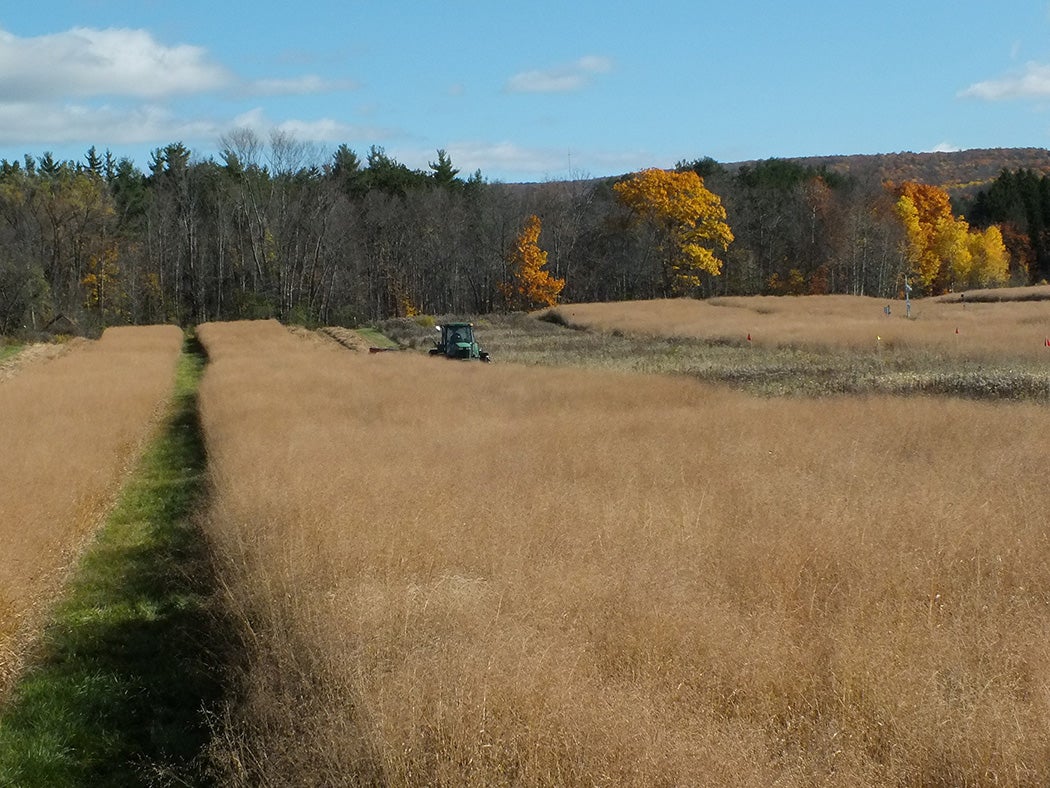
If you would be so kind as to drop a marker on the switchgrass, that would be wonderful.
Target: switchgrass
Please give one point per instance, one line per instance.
(16, 357)
(980, 331)
(818, 345)
(115, 692)
(454, 574)
(69, 429)
(989, 345)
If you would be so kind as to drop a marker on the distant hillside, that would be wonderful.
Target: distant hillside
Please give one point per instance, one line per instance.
(959, 172)
(962, 173)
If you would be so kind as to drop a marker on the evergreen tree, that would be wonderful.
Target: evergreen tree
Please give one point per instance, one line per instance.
(444, 173)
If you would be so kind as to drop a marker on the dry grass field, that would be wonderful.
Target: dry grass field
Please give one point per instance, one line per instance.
(11, 365)
(1010, 361)
(69, 429)
(459, 574)
(978, 329)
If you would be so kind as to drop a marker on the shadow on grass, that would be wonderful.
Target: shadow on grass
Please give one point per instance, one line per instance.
(129, 665)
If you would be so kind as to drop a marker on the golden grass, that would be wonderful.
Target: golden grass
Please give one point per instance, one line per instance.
(968, 330)
(69, 429)
(456, 574)
(36, 353)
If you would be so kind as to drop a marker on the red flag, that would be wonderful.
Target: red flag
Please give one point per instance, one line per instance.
(749, 339)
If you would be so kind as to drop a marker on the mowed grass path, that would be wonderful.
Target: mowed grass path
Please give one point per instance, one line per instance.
(116, 694)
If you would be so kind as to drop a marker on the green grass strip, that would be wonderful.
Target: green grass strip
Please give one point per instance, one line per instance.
(6, 351)
(376, 338)
(116, 694)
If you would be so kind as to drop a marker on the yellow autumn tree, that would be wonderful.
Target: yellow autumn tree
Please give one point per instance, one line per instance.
(951, 246)
(922, 209)
(990, 260)
(403, 303)
(103, 292)
(530, 285)
(690, 221)
(942, 250)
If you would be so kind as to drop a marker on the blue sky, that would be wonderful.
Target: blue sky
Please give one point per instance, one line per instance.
(527, 91)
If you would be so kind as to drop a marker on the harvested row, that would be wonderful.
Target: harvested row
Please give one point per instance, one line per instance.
(69, 429)
(452, 574)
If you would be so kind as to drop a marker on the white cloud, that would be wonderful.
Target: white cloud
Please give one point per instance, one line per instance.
(503, 156)
(945, 147)
(1033, 82)
(57, 124)
(254, 119)
(321, 130)
(509, 159)
(114, 86)
(560, 79)
(84, 62)
(309, 84)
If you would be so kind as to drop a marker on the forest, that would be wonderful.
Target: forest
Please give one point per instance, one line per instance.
(275, 228)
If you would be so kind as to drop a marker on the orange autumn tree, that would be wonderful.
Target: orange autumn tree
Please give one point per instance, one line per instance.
(531, 285)
(690, 221)
(942, 250)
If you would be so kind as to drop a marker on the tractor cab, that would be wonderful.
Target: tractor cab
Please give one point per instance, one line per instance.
(457, 341)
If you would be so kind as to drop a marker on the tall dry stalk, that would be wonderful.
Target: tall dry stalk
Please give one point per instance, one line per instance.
(69, 428)
(455, 574)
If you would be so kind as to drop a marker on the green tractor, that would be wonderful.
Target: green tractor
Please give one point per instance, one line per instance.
(457, 341)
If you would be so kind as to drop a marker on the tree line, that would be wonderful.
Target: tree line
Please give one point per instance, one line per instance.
(1018, 202)
(275, 228)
